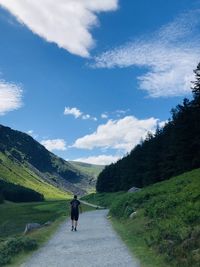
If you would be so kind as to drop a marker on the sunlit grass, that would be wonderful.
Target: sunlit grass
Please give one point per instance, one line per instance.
(20, 174)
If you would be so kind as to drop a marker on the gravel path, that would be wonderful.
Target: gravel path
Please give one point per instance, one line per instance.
(95, 244)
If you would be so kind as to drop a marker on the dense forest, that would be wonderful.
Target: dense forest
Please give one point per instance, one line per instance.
(172, 150)
(17, 193)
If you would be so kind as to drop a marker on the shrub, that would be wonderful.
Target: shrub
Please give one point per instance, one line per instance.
(13, 246)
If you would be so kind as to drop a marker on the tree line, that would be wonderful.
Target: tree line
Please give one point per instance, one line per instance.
(172, 150)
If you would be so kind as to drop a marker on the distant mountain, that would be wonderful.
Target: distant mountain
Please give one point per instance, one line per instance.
(92, 170)
(25, 161)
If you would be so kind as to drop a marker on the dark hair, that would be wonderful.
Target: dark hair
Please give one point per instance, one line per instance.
(75, 196)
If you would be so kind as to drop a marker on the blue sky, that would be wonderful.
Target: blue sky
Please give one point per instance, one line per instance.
(89, 78)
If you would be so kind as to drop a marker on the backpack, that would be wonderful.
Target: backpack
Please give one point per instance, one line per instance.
(74, 204)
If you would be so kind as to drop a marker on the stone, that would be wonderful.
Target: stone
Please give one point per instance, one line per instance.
(31, 226)
(47, 223)
(133, 214)
(134, 189)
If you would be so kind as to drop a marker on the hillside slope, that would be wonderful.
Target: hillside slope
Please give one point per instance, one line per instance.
(25, 161)
(17, 173)
(92, 170)
(17, 193)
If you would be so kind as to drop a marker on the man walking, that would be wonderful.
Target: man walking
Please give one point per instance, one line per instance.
(75, 206)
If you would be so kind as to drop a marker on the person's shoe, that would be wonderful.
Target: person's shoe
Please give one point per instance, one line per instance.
(72, 228)
(75, 229)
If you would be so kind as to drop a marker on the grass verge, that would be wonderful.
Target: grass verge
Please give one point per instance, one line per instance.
(131, 233)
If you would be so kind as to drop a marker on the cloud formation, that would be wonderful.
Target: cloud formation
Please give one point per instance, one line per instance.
(117, 113)
(122, 134)
(104, 116)
(169, 57)
(78, 114)
(73, 111)
(99, 160)
(54, 144)
(65, 22)
(10, 97)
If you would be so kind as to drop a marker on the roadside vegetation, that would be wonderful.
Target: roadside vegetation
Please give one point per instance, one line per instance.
(14, 245)
(165, 226)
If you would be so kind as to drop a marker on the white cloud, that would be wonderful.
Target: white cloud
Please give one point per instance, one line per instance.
(86, 117)
(121, 112)
(162, 123)
(73, 111)
(117, 113)
(99, 160)
(122, 134)
(65, 22)
(54, 144)
(10, 97)
(32, 133)
(169, 57)
(78, 114)
(104, 116)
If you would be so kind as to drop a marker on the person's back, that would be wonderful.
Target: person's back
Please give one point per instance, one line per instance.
(75, 204)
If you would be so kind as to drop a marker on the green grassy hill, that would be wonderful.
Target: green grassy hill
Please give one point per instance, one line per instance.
(18, 193)
(20, 174)
(165, 228)
(26, 162)
(92, 170)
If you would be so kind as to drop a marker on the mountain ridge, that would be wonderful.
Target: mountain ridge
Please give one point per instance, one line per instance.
(21, 156)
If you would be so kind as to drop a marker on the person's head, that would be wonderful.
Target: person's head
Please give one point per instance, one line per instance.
(75, 196)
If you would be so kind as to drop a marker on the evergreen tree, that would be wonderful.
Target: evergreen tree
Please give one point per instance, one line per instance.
(196, 87)
(1, 198)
